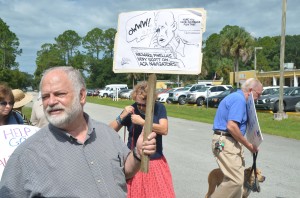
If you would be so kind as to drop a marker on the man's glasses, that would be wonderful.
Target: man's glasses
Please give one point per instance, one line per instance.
(140, 105)
(4, 103)
(258, 94)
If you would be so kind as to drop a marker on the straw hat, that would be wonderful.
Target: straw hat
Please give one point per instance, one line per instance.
(21, 98)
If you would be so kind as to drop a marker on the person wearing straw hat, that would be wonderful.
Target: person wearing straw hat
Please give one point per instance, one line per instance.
(38, 117)
(21, 99)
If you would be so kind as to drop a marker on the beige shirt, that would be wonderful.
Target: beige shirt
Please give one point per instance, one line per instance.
(38, 118)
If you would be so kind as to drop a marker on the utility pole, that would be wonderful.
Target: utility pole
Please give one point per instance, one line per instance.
(281, 114)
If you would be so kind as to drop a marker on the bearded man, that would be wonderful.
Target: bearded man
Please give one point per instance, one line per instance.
(74, 155)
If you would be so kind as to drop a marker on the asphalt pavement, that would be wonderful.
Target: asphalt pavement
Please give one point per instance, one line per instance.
(187, 148)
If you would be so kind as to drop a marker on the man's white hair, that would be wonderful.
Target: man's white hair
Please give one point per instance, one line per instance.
(250, 83)
(73, 74)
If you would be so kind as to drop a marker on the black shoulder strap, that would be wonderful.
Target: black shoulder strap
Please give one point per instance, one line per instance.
(16, 117)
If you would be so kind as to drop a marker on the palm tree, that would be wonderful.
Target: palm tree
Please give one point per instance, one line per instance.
(238, 44)
(133, 76)
(223, 69)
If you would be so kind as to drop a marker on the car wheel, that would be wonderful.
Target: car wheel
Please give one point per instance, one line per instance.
(105, 95)
(276, 107)
(297, 107)
(200, 101)
(181, 100)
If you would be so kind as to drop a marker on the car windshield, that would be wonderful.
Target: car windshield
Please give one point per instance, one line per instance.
(203, 89)
(183, 89)
(287, 91)
(275, 91)
(225, 93)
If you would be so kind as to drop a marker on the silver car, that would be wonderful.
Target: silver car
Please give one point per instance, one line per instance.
(180, 95)
(291, 95)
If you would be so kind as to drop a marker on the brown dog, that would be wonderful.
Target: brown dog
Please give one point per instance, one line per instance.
(215, 178)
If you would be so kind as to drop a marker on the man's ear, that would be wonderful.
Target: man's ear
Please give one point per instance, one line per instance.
(82, 95)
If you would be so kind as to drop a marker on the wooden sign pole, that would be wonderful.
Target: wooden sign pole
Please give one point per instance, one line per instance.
(149, 117)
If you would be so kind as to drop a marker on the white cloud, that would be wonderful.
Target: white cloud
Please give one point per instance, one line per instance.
(36, 22)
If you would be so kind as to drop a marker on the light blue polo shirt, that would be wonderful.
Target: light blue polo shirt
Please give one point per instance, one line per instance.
(232, 107)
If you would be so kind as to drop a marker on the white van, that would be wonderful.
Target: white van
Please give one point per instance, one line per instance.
(109, 89)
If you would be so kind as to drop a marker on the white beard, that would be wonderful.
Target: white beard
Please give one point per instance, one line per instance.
(67, 116)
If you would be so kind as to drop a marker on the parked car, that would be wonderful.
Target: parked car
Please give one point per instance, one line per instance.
(198, 97)
(161, 90)
(214, 101)
(111, 89)
(127, 94)
(180, 95)
(162, 97)
(116, 92)
(122, 92)
(96, 92)
(89, 92)
(291, 96)
(270, 90)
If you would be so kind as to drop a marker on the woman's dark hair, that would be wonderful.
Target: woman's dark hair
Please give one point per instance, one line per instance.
(6, 91)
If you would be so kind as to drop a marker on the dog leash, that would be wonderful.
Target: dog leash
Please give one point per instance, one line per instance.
(255, 187)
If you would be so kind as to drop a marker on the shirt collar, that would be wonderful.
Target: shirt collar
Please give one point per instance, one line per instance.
(67, 136)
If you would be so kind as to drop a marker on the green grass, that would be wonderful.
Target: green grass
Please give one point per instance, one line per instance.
(289, 128)
(27, 112)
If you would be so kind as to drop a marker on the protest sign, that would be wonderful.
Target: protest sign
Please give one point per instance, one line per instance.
(160, 41)
(254, 135)
(11, 136)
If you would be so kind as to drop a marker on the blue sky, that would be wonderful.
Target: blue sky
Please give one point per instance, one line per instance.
(36, 22)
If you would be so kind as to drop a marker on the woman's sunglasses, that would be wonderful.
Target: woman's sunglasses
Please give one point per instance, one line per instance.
(4, 103)
(140, 105)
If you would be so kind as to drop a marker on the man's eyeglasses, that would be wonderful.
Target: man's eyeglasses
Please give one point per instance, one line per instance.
(4, 103)
(140, 105)
(258, 94)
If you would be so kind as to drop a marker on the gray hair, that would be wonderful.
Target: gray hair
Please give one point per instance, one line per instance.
(250, 83)
(73, 74)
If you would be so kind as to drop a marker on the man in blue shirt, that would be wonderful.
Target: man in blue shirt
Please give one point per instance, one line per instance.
(229, 127)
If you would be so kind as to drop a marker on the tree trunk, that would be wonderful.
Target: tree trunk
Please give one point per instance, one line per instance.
(236, 64)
